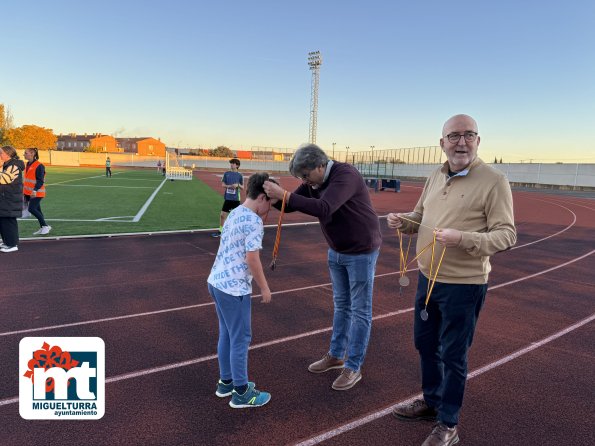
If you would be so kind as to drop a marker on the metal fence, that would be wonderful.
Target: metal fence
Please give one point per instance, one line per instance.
(416, 162)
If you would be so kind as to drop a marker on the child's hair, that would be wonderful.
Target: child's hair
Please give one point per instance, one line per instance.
(235, 161)
(255, 183)
(35, 152)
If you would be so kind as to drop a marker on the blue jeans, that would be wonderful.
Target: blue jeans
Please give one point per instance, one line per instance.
(444, 340)
(235, 334)
(352, 276)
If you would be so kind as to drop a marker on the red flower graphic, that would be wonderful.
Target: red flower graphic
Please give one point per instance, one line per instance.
(48, 357)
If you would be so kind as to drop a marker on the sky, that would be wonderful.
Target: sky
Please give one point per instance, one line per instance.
(235, 73)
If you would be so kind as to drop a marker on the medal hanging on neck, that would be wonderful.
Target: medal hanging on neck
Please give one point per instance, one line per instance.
(278, 236)
(423, 314)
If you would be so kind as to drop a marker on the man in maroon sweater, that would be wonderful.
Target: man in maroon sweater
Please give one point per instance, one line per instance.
(337, 195)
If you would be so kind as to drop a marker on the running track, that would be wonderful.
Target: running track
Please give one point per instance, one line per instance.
(531, 365)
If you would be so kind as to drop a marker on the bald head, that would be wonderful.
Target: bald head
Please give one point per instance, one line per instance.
(459, 120)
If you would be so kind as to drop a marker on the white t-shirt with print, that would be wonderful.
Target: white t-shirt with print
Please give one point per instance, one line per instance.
(243, 231)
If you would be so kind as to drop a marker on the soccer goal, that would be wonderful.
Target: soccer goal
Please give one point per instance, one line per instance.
(173, 170)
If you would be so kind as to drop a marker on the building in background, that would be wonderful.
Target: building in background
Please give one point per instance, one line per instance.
(78, 143)
(145, 146)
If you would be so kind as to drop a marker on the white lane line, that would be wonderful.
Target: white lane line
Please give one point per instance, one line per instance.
(140, 213)
(188, 307)
(552, 235)
(98, 185)
(75, 179)
(477, 372)
(360, 421)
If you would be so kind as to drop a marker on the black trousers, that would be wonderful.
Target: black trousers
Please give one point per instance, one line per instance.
(9, 231)
(35, 208)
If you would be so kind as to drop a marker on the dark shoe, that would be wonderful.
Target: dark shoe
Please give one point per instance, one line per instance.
(347, 379)
(442, 435)
(327, 363)
(415, 411)
(216, 234)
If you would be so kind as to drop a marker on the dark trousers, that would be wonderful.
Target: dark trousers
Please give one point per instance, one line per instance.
(9, 231)
(35, 208)
(108, 171)
(444, 340)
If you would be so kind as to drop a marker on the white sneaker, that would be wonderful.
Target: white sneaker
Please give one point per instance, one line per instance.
(38, 232)
(45, 230)
(3, 245)
(7, 249)
(26, 214)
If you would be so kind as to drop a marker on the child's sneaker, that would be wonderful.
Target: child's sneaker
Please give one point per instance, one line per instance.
(224, 390)
(216, 234)
(252, 398)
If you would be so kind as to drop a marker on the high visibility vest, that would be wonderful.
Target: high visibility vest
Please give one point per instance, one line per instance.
(30, 180)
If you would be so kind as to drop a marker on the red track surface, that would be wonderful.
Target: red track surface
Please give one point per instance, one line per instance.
(156, 286)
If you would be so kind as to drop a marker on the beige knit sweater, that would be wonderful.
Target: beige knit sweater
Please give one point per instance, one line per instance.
(480, 205)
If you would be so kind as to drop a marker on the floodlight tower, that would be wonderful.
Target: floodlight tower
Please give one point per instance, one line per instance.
(314, 62)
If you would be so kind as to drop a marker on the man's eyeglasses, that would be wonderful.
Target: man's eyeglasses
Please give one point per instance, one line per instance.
(305, 176)
(456, 137)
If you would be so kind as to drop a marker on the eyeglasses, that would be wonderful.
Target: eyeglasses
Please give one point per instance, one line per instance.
(456, 137)
(305, 176)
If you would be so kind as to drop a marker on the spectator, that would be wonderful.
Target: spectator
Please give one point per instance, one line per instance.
(232, 182)
(11, 198)
(108, 167)
(34, 189)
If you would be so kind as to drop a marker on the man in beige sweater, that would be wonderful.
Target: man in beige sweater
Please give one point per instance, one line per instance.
(466, 206)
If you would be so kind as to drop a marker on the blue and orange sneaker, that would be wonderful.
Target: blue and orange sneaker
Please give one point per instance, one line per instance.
(224, 390)
(252, 398)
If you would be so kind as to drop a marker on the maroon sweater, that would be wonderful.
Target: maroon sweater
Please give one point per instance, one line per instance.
(343, 207)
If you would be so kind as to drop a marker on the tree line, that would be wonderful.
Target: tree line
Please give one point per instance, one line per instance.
(24, 136)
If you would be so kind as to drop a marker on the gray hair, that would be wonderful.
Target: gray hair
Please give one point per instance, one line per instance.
(306, 158)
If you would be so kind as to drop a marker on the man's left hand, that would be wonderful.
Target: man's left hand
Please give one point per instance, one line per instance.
(449, 237)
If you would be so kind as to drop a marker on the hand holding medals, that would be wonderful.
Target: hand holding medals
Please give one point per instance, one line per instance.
(448, 237)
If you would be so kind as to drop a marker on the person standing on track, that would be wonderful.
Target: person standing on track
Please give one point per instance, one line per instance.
(337, 195)
(232, 182)
(466, 207)
(34, 189)
(11, 198)
(230, 285)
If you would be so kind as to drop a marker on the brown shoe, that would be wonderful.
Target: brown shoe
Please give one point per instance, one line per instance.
(442, 435)
(347, 379)
(416, 411)
(327, 362)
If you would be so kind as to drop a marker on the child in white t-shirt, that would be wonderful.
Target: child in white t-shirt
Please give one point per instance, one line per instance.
(230, 284)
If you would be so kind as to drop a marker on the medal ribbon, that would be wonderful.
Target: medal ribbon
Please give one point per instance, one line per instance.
(432, 280)
(278, 236)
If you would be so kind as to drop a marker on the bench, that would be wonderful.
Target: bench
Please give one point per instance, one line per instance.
(383, 183)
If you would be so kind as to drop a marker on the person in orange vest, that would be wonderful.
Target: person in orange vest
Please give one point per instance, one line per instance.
(34, 188)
